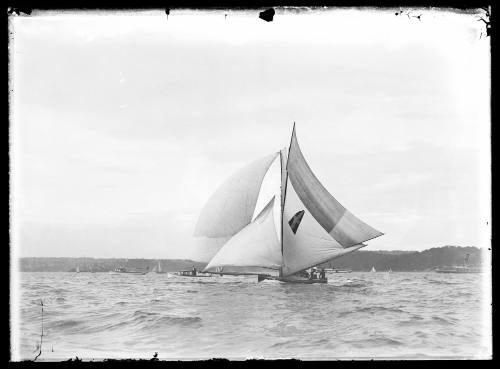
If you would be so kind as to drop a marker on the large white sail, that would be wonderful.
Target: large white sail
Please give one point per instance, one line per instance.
(255, 249)
(207, 247)
(231, 207)
(305, 242)
(335, 219)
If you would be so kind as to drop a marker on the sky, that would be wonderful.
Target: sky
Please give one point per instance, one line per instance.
(123, 124)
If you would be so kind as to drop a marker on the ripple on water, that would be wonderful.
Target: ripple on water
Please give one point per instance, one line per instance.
(407, 316)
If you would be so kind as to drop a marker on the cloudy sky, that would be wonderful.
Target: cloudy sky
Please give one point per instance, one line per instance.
(123, 124)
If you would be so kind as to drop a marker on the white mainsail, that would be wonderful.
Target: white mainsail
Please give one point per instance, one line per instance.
(254, 250)
(314, 227)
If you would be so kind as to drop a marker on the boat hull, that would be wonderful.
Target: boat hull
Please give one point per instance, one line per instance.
(457, 271)
(291, 280)
(198, 275)
(338, 270)
(136, 273)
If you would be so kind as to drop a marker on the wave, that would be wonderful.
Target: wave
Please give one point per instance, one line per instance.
(377, 341)
(372, 309)
(282, 344)
(434, 281)
(140, 316)
(445, 321)
(178, 320)
(69, 323)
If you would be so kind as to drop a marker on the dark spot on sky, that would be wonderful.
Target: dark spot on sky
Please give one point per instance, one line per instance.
(267, 15)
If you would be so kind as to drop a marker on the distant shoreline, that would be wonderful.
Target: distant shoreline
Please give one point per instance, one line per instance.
(359, 261)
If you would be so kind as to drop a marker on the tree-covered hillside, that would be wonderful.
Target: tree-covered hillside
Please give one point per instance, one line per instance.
(357, 261)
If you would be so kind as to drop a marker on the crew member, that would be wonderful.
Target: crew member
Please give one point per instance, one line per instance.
(322, 273)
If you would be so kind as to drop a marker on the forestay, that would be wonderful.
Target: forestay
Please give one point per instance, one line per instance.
(335, 219)
(251, 251)
(231, 207)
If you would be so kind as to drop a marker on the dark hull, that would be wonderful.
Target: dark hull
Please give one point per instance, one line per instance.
(136, 273)
(338, 270)
(191, 276)
(291, 280)
(458, 271)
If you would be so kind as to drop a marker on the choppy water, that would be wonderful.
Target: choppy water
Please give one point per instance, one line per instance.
(356, 315)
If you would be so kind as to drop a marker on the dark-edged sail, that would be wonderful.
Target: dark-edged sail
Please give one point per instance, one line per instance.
(335, 219)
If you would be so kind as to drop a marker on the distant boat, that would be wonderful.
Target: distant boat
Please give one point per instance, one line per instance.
(313, 227)
(373, 269)
(459, 269)
(333, 270)
(465, 268)
(158, 268)
(77, 269)
(191, 273)
(125, 271)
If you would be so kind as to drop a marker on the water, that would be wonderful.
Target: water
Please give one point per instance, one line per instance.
(355, 315)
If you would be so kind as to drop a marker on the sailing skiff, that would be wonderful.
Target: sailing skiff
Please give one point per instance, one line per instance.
(311, 226)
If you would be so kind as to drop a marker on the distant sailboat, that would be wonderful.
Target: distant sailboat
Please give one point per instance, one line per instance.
(77, 269)
(158, 268)
(373, 269)
(313, 226)
(122, 270)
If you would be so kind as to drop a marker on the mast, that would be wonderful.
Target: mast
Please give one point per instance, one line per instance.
(281, 215)
(283, 194)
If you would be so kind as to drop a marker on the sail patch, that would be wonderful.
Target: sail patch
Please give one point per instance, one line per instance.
(295, 221)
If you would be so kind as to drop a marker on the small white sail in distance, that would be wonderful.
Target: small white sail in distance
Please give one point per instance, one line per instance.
(316, 228)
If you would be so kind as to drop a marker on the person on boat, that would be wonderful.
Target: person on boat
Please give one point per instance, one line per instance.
(311, 275)
(322, 273)
(194, 271)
